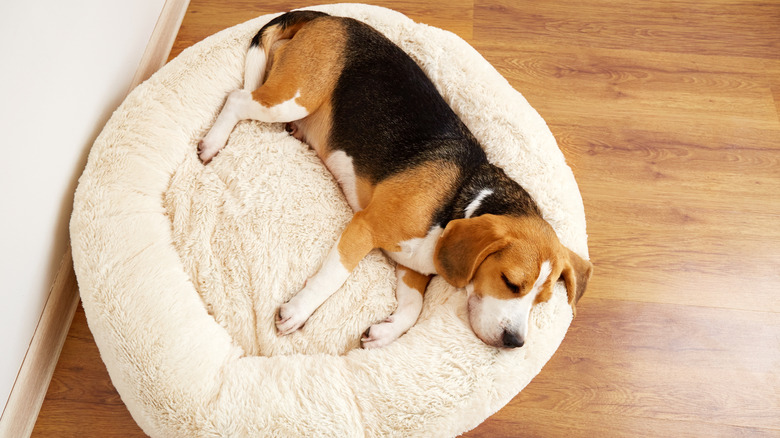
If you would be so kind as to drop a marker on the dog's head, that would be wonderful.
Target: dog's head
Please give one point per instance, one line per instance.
(507, 264)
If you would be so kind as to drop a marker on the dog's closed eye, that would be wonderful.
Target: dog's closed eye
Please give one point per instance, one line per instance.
(512, 287)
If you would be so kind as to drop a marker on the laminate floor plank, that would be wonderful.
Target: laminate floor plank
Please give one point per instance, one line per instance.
(738, 28)
(662, 361)
(202, 21)
(81, 400)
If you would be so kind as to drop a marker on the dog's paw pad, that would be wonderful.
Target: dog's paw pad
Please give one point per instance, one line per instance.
(206, 152)
(380, 335)
(290, 318)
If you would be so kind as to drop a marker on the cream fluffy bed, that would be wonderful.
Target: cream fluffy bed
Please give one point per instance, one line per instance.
(181, 267)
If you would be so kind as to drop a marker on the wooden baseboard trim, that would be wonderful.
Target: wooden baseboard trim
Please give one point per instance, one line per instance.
(32, 382)
(161, 41)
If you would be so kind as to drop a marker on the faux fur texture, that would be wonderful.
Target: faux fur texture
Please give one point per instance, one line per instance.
(181, 266)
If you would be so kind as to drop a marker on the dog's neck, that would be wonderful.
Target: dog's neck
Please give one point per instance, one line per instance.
(486, 189)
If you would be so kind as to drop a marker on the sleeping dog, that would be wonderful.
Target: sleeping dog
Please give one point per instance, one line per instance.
(418, 181)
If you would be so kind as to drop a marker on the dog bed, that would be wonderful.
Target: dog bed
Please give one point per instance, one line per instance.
(181, 266)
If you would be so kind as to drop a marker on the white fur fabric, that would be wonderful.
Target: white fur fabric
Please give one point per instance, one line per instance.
(181, 266)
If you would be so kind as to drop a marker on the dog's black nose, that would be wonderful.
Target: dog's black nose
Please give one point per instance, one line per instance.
(511, 340)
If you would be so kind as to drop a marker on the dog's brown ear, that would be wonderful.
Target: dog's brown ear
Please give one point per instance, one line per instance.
(465, 244)
(576, 272)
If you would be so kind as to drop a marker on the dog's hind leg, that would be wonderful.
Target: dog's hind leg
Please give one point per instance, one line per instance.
(302, 76)
(241, 105)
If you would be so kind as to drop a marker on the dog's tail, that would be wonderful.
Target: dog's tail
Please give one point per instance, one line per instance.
(282, 27)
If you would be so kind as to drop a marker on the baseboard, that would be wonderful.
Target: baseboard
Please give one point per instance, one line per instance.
(32, 382)
(161, 41)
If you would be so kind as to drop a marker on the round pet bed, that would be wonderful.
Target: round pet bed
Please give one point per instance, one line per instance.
(181, 266)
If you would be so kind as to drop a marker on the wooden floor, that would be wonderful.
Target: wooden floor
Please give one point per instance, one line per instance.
(668, 114)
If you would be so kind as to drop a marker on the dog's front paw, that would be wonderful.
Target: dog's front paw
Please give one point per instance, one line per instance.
(207, 150)
(382, 334)
(290, 317)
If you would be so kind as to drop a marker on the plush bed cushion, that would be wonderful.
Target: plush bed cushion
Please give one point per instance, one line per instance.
(181, 266)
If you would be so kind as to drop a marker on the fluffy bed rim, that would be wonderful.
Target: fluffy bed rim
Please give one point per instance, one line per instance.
(181, 374)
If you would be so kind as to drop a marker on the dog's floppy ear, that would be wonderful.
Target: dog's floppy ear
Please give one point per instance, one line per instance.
(576, 272)
(464, 244)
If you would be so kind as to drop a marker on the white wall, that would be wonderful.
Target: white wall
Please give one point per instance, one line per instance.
(66, 65)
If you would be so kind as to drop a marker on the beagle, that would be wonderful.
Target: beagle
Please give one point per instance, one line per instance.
(418, 181)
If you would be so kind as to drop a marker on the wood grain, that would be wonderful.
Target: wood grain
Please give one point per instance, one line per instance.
(203, 19)
(733, 27)
(81, 401)
(667, 113)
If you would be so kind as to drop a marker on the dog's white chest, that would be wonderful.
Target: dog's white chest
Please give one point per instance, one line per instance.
(417, 253)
